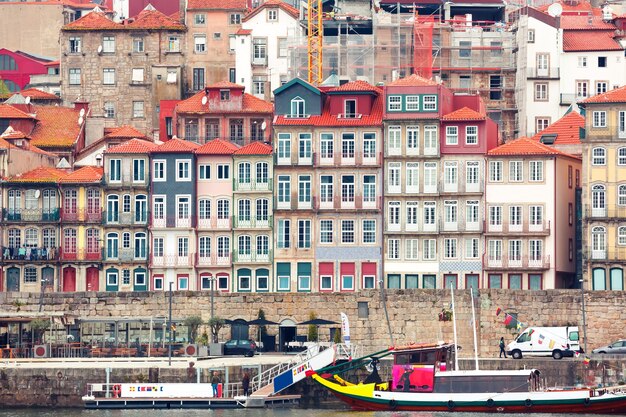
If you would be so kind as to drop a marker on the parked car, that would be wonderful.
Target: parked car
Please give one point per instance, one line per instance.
(618, 347)
(240, 347)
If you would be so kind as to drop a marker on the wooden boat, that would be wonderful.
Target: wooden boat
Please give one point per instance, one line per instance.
(422, 380)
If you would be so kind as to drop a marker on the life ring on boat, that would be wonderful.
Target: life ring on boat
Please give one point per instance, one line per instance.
(117, 390)
(587, 401)
(528, 402)
(393, 404)
(490, 402)
(451, 405)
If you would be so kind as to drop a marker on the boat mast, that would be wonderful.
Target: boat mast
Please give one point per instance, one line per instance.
(456, 350)
(474, 327)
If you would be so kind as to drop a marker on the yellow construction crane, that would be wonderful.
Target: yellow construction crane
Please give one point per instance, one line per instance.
(315, 29)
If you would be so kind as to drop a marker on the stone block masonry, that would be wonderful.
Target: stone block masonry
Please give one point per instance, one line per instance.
(413, 314)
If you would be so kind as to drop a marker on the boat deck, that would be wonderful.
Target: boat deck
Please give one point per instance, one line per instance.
(189, 403)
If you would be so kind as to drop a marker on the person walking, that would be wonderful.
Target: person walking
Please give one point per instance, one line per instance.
(502, 351)
(215, 381)
(245, 383)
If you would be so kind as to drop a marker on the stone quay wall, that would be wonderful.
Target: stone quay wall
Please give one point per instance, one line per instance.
(413, 314)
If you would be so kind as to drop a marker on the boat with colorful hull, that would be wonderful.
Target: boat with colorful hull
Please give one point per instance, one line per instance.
(421, 380)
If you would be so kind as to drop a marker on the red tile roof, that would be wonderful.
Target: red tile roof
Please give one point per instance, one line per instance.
(463, 114)
(250, 104)
(133, 146)
(175, 16)
(255, 148)
(356, 86)
(5, 145)
(582, 40)
(217, 147)
(412, 80)
(617, 95)
(225, 84)
(287, 8)
(525, 146)
(154, 19)
(243, 32)
(9, 112)
(12, 134)
(35, 149)
(582, 23)
(566, 129)
(56, 127)
(217, 4)
(327, 119)
(84, 175)
(125, 132)
(568, 7)
(39, 174)
(176, 145)
(34, 94)
(93, 21)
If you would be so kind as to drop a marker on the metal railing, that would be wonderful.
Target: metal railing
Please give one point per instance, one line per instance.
(130, 218)
(205, 223)
(337, 203)
(126, 180)
(80, 255)
(31, 215)
(24, 254)
(524, 262)
(254, 185)
(212, 260)
(252, 222)
(172, 260)
(126, 255)
(543, 228)
(82, 215)
(543, 73)
(253, 257)
(609, 255)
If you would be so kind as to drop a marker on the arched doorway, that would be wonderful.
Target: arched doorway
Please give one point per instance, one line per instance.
(69, 279)
(286, 333)
(239, 330)
(92, 280)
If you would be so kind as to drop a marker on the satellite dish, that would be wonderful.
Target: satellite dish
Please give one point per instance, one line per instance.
(27, 101)
(555, 10)
(37, 193)
(99, 49)
(204, 100)
(80, 121)
(264, 125)
(81, 113)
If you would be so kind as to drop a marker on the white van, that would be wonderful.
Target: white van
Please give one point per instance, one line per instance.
(545, 341)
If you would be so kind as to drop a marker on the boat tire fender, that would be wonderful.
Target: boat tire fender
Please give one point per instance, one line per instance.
(490, 402)
(587, 401)
(451, 405)
(393, 404)
(528, 402)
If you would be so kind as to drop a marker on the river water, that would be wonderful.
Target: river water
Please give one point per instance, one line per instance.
(244, 413)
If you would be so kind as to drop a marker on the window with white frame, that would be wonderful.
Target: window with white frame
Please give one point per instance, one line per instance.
(515, 215)
(138, 45)
(204, 171)
(394, 169)
(369, 188)
(495, 215)
(621, 236)
(472, 177)
(541, 123)
(431, 139)
(394, 213)
(138, 109)
(582, 62)
(450, 210)
(535, 215)
(304, 234)
(326, 188)
(411, 250)
(347, 231)
(412, 176)
(173, 44)
(393, 249)
(535, 249)
(472, 248)
(430, 213)
(74, 76)
(429, 249)
(369, 145)
(495, 171)
(158, 170)
(452, 135)
(327, 145)
(235, 19)
(272, 15)
(326, 231)
(115, 170)
(449, 248)
(369, 231)
(199, 19)
(108, 44)
(183, 170)
(429, 103)
(109, 110)
(108, 76)
(298, 107)
(199, 42)
(284, 226)
(394, 103)
(412, 103)
(471, 135)
(601, 87)
(75, 45)
(599, 119)
(451, 173)
(541, 91)
(394, 139)
(139, 170)
(347, 188)
(471, 211)
(284, 189)
(536, 171)
(516, 171)
(412, 138)
(515, 250)
(621, 195)
(598, 156)
(494, 249)
(223, 172)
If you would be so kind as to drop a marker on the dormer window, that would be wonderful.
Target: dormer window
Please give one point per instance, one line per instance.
(349, 108)
(272, 15)
(225, 95)
(297, 107)
(394, 103)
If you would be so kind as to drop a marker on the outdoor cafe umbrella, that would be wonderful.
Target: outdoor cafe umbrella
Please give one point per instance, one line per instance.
(262, 322)
(317, 323)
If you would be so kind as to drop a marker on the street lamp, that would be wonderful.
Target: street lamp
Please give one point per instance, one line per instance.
(582, 296)
(170, 326)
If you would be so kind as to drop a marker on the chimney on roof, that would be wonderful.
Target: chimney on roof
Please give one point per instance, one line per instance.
(182, 10)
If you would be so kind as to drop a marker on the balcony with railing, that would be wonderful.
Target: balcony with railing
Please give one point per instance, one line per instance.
(126, 180)
(31, 215)
(29, 254)
(460, 226)
(252, 257)
(126, 255)
(82, 215)
(254, 185)
(615, 254)
(212, 259)
(357, 203)
(211, 223)
(462, 187)
(541, 228)
(337, 159)
(543, 73)
(170, 260)
(518, 262)
(252, 222)
(131, 218)
(73, 254)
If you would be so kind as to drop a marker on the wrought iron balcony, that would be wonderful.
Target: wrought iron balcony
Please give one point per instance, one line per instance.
(31, 215)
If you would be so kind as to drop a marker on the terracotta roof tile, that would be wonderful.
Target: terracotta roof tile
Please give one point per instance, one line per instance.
(85, 174)
(356, 86)
(133, 146)
(617, 95)
(57, 126)
(5, 145)
(34, 94)
(287, 8)
(250, 104)
(581, 22)
(39, 174)
(125, 132)
(526, 146)
(154, 19)
(581, 40)
(9, 112)
(243, 32)
(412, 80)
(217, 147)
(13, 134)
(176, 145)
(175, 16)
(327, 119)
(217, 4)
(255, 148)
(566, 129)
(463, 114)
(93, 21)
(225, 84)
(35, 149)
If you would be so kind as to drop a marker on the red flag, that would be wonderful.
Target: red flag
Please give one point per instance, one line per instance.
(530, 333)
(498, 311)
(508, 319)
(586, 360)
